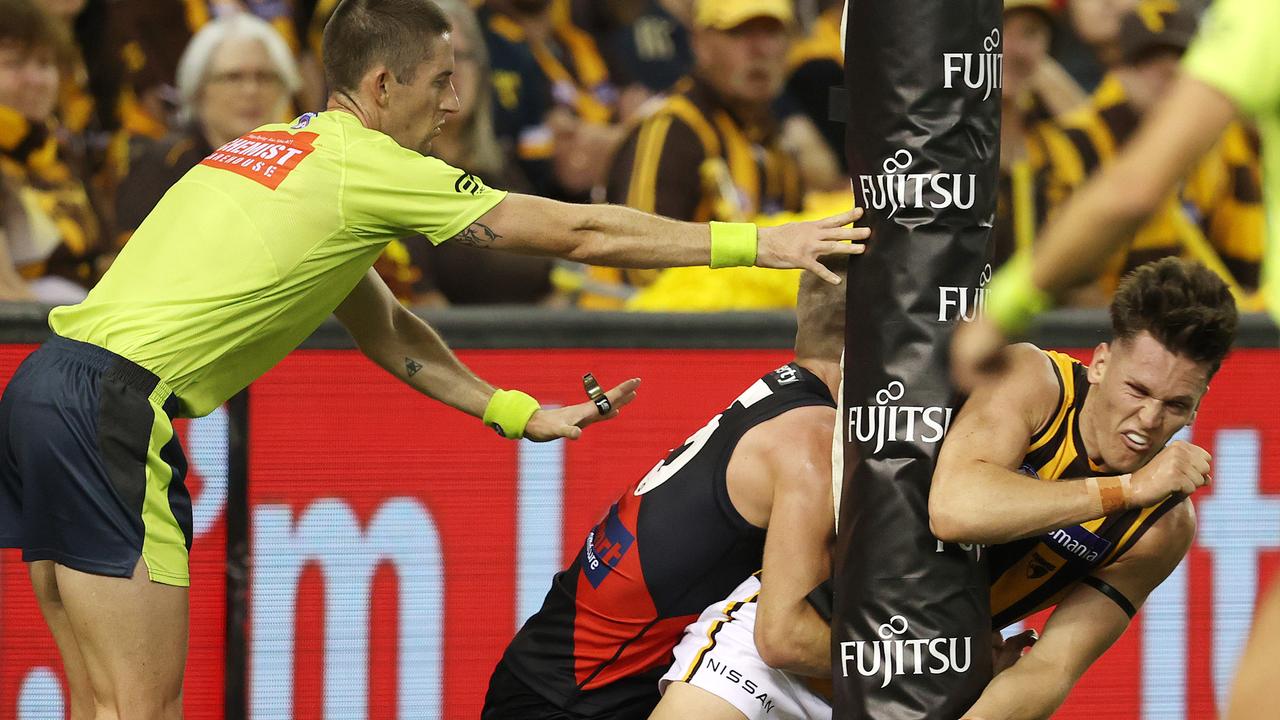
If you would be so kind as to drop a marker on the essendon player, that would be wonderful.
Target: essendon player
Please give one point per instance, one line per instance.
(681, 537)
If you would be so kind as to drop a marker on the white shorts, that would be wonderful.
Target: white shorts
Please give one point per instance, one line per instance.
(718, 654)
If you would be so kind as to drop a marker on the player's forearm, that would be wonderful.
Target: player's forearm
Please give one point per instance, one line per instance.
(1030, 690)
(1097, 219)
(797, 641)
(983, 503)
(1255, 678)
(416, 354)
(1115, 203)
(618, 236)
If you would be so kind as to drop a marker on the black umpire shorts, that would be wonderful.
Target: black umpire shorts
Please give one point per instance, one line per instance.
(91, 472)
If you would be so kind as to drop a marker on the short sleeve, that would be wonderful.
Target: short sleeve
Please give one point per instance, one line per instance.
(1236, 52)
(389, 190)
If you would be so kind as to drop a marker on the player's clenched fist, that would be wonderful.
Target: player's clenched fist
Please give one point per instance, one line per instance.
(1180, 468)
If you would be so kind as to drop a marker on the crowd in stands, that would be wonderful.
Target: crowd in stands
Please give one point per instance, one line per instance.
(696, 109)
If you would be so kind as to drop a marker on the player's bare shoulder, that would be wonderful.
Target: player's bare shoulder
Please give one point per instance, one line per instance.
(1004, 412)
(1028, 382)
(793, 448)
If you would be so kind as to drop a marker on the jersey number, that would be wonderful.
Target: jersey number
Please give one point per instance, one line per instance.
(675, 461)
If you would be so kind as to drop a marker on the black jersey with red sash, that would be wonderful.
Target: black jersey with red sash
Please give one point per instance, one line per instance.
(669, 547)
(1035, 573)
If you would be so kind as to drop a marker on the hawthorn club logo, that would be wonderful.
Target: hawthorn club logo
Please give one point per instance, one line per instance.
(1038, 567)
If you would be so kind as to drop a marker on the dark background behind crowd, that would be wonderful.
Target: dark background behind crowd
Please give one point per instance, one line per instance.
(695, 109)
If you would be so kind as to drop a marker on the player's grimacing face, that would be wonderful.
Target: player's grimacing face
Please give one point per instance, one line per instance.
(1144, 394)
(417, 110)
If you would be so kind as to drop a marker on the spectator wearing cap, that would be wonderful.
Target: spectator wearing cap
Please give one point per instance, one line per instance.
(711, 150)
(1216, 215)
(51, 228)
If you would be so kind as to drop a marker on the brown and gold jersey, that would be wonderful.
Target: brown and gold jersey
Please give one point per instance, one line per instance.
(690, 158)
(1035, 573)
(1215, 217)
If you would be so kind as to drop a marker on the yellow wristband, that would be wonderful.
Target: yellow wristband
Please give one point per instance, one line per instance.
(733, 244)
(1013, 300)
(509, 411)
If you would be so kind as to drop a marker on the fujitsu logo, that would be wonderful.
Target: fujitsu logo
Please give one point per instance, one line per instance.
(891, 656)
(977, 71)
(963, 303)
(880, 422)
(897, 189)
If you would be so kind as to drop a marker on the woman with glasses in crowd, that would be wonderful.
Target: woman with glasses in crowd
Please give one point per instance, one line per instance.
(236, 74)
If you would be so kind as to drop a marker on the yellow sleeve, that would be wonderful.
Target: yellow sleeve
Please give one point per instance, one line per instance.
(388, 189)
(1236, 52)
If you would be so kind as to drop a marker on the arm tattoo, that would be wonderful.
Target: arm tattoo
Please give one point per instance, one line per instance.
(412, 366)
(477, 235)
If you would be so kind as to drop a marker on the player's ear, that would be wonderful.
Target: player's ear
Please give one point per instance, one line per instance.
(376, 82)
(1098, 366)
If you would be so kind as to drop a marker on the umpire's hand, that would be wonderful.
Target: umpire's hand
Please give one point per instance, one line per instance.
(567, 422)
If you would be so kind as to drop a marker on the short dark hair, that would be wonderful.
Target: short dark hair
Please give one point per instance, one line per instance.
(362, 33)
(27, 25)
(1184, 305)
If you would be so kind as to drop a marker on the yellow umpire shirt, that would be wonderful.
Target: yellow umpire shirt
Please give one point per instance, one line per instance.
(1236, 52)
(254, 247)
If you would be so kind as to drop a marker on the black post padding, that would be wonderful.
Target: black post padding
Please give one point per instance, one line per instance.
(910, 634)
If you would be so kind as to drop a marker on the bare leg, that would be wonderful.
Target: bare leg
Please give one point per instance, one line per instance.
(1253, 696)
(55, 615)
(132, 634)
(682, 701)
